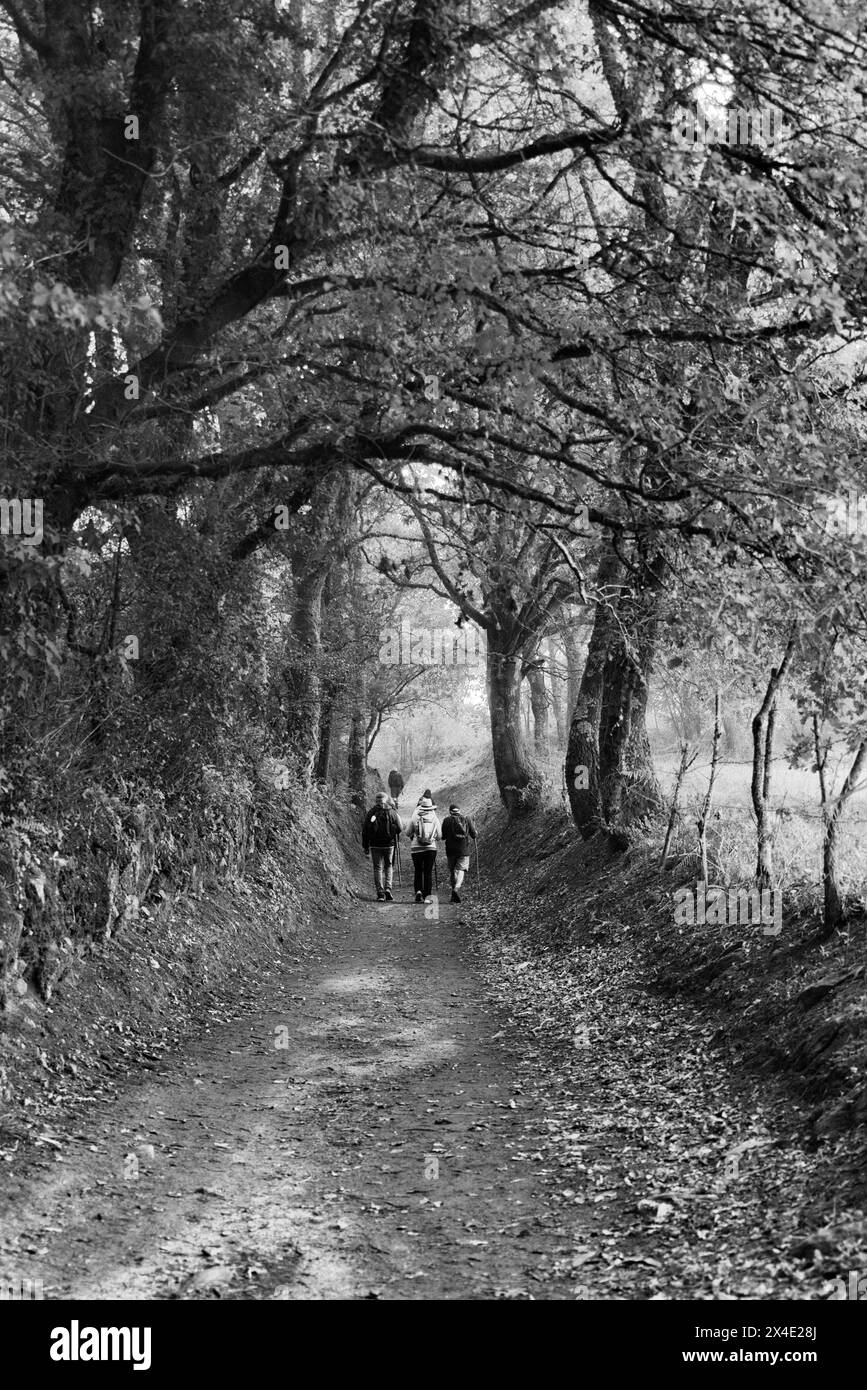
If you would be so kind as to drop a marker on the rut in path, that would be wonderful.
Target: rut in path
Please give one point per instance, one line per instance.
(384, 1151)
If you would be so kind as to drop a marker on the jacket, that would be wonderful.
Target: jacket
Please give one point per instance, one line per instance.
(370, 836)
(425, 817)
(458, 845)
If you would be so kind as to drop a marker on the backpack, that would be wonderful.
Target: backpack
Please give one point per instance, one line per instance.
(426, 829)
(379, 824)
(460, 829)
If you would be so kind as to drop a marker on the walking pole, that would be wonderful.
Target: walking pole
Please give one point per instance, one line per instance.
(397, 849)
(478, 888)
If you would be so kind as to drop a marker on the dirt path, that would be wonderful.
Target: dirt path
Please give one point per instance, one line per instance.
(357, 1132)
(424, 1108)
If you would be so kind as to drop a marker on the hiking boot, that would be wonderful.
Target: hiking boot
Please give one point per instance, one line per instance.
(389, 896)
(456, 897)
(419, 898)
(380, 896)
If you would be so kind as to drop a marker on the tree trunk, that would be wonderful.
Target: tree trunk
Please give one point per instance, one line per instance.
(539, 705)
(558, 701)
(627, 781)
(374, 724)
(763, 752)
(358, 716)
(328, 726)
(630, 791)
(609, 768)
(303, 679)
(337, 762)
(706, 805)
(675, 799)
(573, 672)
(582, 750)
(517, 778)
(356, 752)
(834, 914)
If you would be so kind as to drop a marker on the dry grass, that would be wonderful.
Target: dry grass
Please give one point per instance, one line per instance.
(798, 830)
(732, 830)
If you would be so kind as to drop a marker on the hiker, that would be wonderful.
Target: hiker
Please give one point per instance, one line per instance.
(379, 835)
(424, 831)
(392, 806)
(458, 830)
(395, 785)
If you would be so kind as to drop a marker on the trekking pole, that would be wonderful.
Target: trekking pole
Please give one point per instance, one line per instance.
(397, 848)
(478, 885)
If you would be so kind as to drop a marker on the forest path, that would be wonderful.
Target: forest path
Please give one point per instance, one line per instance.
(355, 1132)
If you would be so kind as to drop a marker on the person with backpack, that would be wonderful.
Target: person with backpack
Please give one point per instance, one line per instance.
(379, 835)
(424, 831)
(395, 784)
(458, 830)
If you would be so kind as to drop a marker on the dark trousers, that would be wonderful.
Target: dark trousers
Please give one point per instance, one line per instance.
(422, 864)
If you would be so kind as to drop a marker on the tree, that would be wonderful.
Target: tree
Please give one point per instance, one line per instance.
(504, 572)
